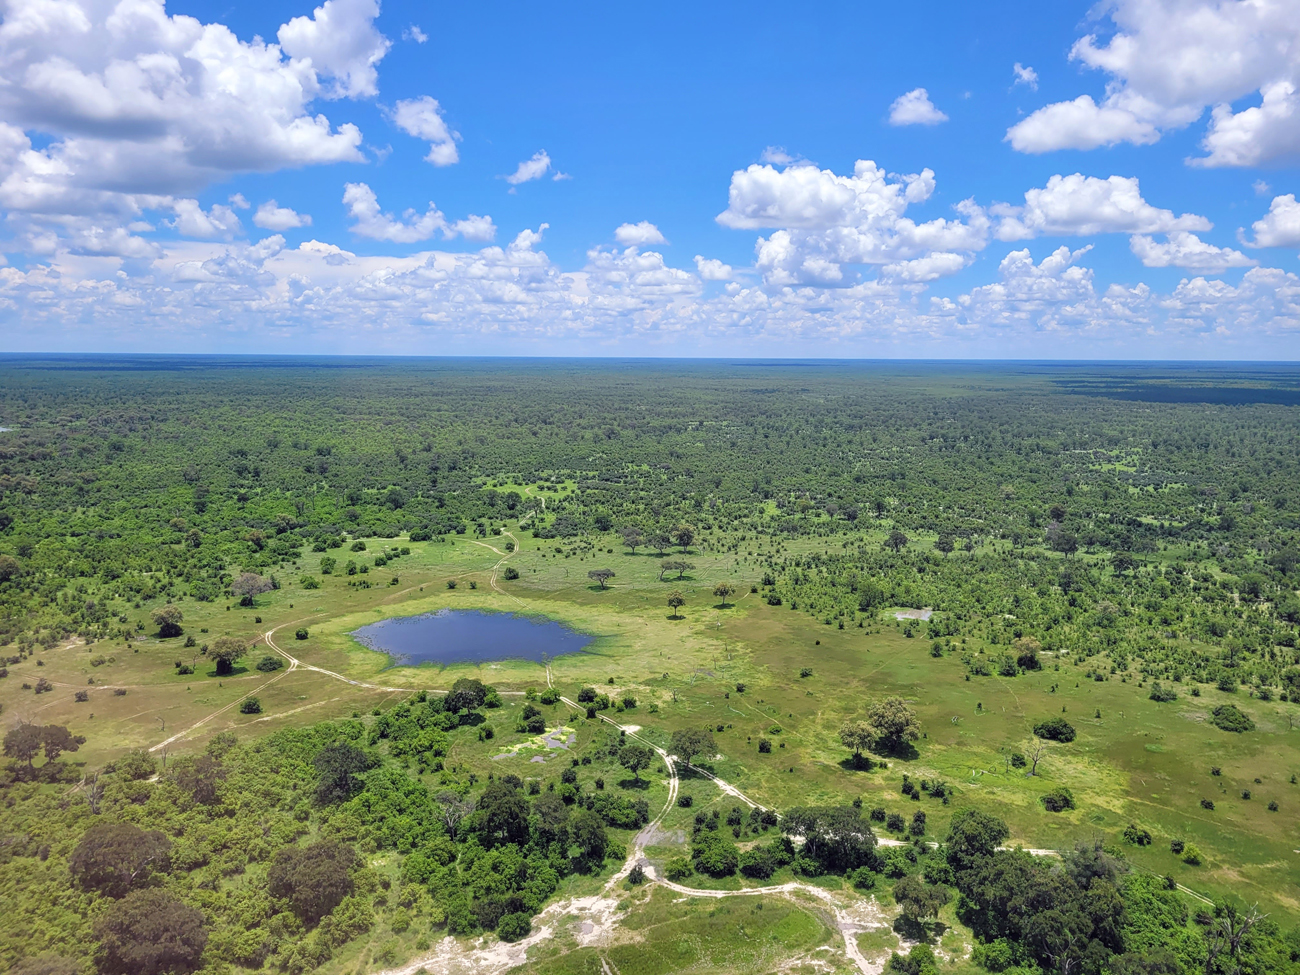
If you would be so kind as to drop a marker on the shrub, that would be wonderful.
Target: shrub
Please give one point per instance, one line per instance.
(1018, 760)
(269, 663)
(1228, 717)
(863, 878)
(1162, 693)
(1207, 804)
(250, 705)
(678, 869)
(1058, 800)
(513, 927)
(511, 573)
(1055, 729)
(685, 800)
(764, 746)
(894, 822)
(714, 854)
(300, 633)
(81, 697)
(1136, 835)
(1191, 855)
(1176, 847)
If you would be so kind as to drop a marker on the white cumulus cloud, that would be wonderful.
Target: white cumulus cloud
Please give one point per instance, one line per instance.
(271, 216)
(422, 118)
(1166, 62)
(192, 221)
(1080, 124)
(1186, 250)
(1025, 76)
(1280, 227)
(639, 234)
(530, 169)
(915, 108)
(413, 33)
(826, 221)
(369, 221)
(712, 269)
(339, 39)
(136, 107)
(1079, 205)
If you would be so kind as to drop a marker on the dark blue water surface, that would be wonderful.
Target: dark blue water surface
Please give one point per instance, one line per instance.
(469, 636)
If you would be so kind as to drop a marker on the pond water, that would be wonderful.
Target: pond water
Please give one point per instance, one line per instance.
(469, 636)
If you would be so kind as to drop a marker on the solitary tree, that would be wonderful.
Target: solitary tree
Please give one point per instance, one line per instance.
(634, 758)
(897, 540)
(225, 650)
(168, 619)
(944, 544)
(660, 541)
(467, 694)
(857, 737)
(724, 591)
(675, 601)
(601, 575)
(686, 743)
(632, 538)
(149, 932)
(684, 534)
(894, 723)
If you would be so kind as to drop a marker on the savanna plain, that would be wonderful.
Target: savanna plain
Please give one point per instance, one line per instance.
(893, 667)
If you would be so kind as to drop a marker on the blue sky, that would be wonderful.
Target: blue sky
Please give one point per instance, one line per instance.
(1005, 180)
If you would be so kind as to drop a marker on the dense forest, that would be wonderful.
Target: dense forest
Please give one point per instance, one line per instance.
(158, 478)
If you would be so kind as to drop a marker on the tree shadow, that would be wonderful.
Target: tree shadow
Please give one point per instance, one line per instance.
(913, 930)
(234, 671)
(905, 752)
(857, 763)
(634, 784)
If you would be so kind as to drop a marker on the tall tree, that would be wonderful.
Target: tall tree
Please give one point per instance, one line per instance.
(337, 768)
(894, 722)
(686, 743)
(149, 932)
(857, 737)
(225, 650)
(168, 619)
(313, 879)
(684, 534)
(114, 857)
(675, 601)
(724, 591)
(601, 575)
(634, 758)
